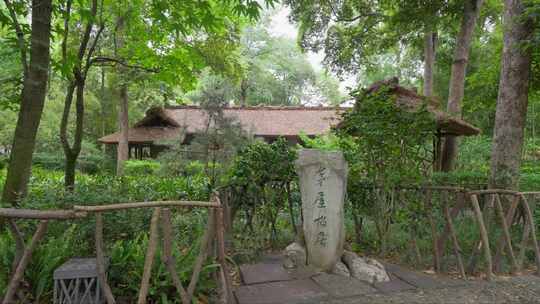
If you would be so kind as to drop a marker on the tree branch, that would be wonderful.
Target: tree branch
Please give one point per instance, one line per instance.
(20, 36)
(92, 50)
(87, 31)
(94, 43)
(66, 31)
(103, 61)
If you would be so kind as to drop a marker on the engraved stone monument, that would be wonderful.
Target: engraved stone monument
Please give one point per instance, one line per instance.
(323, 184)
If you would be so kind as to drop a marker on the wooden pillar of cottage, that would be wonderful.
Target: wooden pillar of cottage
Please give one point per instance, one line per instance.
(437, 151)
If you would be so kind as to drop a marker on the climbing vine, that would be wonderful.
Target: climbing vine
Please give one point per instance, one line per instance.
(262, 176)
(386, 146)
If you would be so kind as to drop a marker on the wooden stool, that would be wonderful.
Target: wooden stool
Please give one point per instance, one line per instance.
(76, 282)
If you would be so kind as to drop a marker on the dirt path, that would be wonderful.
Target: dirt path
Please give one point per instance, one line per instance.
(267, 282)
(523, 289)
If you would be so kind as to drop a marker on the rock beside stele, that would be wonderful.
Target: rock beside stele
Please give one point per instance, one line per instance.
(341, 269)
(295, 256)
(365, 269)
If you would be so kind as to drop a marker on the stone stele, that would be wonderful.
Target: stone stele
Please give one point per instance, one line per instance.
(323, 183)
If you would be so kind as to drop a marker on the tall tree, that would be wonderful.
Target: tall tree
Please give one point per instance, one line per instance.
(471, 10)
(356, 34)
(122, 153)
(430, 46)
(277, 72)
(513, 96)
(77, 75)
(35, 75)
(172, 40)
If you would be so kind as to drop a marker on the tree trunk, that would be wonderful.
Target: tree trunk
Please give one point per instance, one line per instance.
(69, 171)
(512, 99)
(32, 102)
(429, 61)
(103, 108)
(77, 84)
(123, 143)
(457, 78)
(123, 118)
(72, 152)
(243, 92)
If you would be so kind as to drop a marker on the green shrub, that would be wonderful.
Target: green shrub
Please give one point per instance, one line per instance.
(50, 161)
(126, 230)
(474, 154)
(141, 167)
(91, 160)
(3, 161)
(91, 163)
(194, 168)
(467, 179)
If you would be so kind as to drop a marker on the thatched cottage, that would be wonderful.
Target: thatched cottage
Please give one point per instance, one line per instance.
(148, 137)
(182, 123)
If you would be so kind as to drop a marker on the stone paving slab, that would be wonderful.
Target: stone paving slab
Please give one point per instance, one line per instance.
(517, 290)
(289, 292)
(275, 258)
(395, 285)
(262, 273)
(420, 280)
(303, 273)
(269, 282)
(340, 286)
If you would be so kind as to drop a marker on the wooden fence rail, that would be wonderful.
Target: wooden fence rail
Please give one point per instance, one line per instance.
(506, 210)
(161, 216)
(489, 210)
(504, 243)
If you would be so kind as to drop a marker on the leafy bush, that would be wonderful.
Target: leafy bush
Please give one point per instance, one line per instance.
(91, 164)
(127, 260)
(474, 154)
(261, 178)
(125, 231)
(385, 146)
(3, 161)
(90, 160)
(50, 161)
(141, 167)
(194, 168)
(467, 179)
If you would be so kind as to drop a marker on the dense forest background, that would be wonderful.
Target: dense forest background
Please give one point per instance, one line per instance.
(273, 70)
(110, 61)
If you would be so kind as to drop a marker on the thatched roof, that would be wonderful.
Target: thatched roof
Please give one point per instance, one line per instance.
(172, 122)
(145, 135)
(410, 100)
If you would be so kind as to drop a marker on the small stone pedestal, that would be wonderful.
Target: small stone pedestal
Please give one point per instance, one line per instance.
(76, 282)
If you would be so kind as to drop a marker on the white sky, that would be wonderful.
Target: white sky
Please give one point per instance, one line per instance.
(280, 26)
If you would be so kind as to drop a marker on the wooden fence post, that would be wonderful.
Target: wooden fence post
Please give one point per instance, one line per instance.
(206, 245)
(167, 256)
(436, 252)
(506, 233)
(452, 231)
(501, 244)
(23, 262)
(530, 223)
(100, 261)
(150, 255)
(483, 235)
(220, 231)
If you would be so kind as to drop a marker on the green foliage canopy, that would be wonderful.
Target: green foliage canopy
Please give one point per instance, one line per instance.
(391, 144)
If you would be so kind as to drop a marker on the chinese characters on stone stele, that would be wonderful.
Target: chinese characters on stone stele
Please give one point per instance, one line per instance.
(320, 203)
